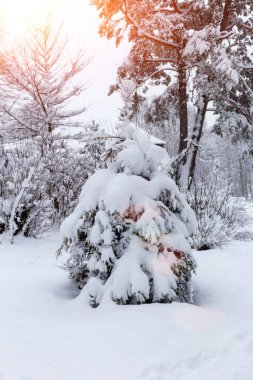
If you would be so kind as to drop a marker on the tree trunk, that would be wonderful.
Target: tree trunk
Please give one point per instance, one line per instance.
(186, 169)
(226, 18)
(183, 112)
(196, 136)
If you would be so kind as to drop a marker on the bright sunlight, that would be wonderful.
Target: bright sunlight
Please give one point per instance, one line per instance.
(16, 14)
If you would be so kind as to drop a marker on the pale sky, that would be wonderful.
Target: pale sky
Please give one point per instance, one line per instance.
(81, 21)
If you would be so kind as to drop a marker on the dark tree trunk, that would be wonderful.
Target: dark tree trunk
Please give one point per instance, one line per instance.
(183, 112)
(226, 18)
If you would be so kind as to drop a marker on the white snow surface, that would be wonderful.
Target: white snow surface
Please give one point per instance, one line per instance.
(48, 333)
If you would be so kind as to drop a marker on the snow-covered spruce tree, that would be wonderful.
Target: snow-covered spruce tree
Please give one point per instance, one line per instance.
(127, 237)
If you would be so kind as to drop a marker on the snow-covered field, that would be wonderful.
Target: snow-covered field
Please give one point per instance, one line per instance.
(47, 333)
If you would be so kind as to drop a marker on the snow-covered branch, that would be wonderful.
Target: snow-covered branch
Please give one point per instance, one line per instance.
(24, 186)
(145, 34)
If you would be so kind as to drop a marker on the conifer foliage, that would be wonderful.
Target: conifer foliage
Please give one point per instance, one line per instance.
(207, 43)
(127, 237)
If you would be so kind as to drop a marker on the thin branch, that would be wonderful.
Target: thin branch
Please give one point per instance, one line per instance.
(162, 60)
(245, 26)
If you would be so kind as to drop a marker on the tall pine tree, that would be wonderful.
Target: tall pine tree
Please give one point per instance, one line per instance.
(198, 48)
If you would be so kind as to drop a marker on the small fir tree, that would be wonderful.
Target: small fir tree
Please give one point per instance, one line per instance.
(127, 237)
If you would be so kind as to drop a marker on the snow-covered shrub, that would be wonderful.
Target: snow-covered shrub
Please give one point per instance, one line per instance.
(127, 237)
(244, 236)
(29, 186)
(38, 190)
(219, 215)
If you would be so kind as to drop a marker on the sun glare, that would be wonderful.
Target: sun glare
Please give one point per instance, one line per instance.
(17, 14)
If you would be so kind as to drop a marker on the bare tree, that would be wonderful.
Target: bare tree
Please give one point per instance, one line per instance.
(37, 83)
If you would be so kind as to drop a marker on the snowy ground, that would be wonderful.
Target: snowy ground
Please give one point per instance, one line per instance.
(46, 333)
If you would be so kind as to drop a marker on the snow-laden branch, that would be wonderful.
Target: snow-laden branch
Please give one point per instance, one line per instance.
(246, 85)
(142, 32)
(24, 186)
